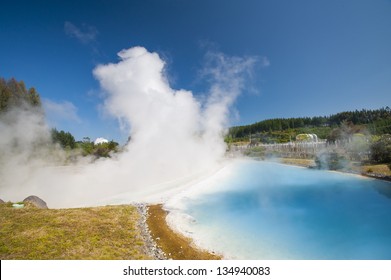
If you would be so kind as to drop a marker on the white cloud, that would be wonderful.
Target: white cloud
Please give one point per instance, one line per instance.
(60, 111)
(86, 34)
(265, 62)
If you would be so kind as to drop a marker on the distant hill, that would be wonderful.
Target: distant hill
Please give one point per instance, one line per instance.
(283, 129)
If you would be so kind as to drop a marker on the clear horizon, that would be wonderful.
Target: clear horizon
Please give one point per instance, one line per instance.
(313, 58)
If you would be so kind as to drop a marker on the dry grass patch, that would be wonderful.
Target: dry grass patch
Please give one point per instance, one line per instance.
(173, 244)
(108, 232)
(377, 168)
(298, 161)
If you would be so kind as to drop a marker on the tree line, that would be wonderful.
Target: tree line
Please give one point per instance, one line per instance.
(361, 136)
(375, 121)
(15, 94)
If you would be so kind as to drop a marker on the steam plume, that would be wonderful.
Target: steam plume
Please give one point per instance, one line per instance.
(174, 136)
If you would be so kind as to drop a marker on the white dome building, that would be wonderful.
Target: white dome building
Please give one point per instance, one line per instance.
(100, 140)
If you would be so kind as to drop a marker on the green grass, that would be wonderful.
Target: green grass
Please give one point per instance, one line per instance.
(108, 232)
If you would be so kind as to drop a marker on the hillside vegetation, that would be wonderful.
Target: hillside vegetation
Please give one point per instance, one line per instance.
(282, 130)
(348, 138)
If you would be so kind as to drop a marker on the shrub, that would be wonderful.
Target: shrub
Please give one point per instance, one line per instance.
(331, 160)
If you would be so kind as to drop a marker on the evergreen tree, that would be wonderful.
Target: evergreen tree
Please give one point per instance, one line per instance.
(65, 139)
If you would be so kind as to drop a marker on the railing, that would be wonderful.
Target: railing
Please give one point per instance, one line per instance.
(291, 149)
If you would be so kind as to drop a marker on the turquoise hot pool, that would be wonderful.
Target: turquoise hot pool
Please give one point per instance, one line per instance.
(264, 210)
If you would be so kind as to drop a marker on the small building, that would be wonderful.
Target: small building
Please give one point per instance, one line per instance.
(307, 137)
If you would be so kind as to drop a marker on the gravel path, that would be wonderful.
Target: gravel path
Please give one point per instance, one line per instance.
(150, 247)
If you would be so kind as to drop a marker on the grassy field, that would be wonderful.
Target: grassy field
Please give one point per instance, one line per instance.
(86, 233)
(175, 246)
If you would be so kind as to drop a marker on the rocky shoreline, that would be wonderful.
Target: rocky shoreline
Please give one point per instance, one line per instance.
(150, 247)
(175, 245)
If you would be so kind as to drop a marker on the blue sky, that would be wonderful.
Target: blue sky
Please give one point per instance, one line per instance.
(324, 56)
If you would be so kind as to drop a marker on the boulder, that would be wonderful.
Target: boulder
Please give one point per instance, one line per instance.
(1, 201)
(36, 201)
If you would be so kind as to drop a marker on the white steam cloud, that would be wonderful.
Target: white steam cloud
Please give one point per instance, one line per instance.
(174, 136)
(25, 146)
(64, 110)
